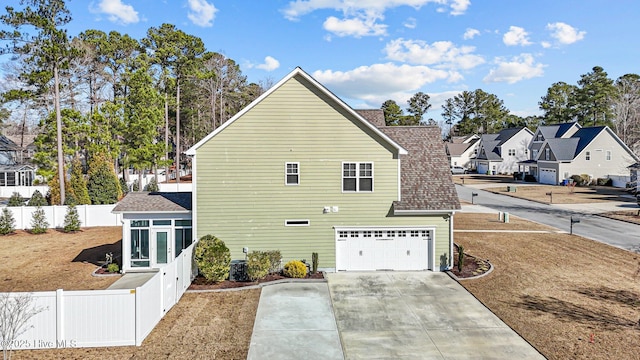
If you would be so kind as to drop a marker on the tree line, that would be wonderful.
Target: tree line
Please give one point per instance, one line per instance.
(139, 103)
(594, 100)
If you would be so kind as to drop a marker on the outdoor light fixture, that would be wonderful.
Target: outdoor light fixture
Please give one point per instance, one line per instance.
(472, 196)
(573, 221)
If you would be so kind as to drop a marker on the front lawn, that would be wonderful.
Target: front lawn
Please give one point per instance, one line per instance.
(56, 260)
(570, 297)
(565, 194)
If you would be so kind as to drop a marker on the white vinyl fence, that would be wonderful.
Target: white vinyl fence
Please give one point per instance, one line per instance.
(24, 191)
(100, 318)
(90, 215)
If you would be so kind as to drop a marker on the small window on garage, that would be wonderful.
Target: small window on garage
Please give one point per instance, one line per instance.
(343, 234)
(378, 233)
(391, 233)
(415, 233)
(426, 234)
(297, 223)
(354, 234)
(366, 234)
(402, 233)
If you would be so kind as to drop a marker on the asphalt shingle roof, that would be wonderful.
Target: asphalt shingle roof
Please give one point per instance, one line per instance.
(163, 202)
(374, 116)
(426, 177)
(555, 131)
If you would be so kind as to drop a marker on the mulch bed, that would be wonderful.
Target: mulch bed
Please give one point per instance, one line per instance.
(200, 283)
(472, 267)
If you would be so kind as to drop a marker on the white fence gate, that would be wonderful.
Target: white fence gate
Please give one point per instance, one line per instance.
(97, 318)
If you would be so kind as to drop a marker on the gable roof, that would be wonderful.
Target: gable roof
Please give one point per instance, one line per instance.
(491, 143)
(374, 116)
(426, 183)
(457, 149)
(569, 148)
(556, 130)
(298, 72)
(7, 145)
(562, 148)
(154, 202)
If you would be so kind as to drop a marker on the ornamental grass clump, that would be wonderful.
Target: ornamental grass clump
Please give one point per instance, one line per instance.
(295, 269)
(213, 258)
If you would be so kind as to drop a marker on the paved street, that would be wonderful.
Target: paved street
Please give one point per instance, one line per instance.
(616, 233)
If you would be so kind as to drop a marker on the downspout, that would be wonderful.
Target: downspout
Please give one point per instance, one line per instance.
(451, 240)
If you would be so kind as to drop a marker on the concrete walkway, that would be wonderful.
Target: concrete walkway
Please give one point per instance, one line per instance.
(132, 280)
(418, 315)
(295, 321)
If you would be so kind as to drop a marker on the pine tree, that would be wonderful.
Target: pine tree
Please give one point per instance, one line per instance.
(152, 186)
(15, 200)
(71, 220)
(78, 184)
(7, 222)
(39, 223)
(54, 190)
(37, 199)
(103, 185)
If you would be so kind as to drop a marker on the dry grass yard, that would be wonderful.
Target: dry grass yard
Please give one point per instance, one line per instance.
(630, 215)
(471, 179)
(466, 221)
(570, 297)
(199, 326)
(565, 194)
(56, 260)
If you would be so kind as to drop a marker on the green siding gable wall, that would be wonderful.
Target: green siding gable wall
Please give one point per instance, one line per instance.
(241, 194)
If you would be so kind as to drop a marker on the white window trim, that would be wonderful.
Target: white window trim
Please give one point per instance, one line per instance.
(587, 155)
(357, 176)
(608, 155)
(286, 173)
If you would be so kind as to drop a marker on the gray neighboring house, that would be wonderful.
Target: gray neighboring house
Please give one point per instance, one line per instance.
(542, 134)
(13, 172)
(156, 227)
(596, 151)
(501, 153)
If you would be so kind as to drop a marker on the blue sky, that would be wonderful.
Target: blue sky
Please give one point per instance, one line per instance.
(368, 51)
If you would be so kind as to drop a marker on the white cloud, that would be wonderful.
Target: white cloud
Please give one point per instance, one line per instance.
(442, 54)
(545, 44)
(269, 64)
(410, 23)
(516, 36)
(470, 33)
(118, 12)
(354, 27)
(360, 18)
(201, 12)
(517, 69)
(564, 33)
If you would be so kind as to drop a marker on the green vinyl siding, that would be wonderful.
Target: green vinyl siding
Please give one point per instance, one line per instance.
(241, 193)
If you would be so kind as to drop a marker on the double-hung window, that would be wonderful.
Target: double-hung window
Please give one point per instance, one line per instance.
(587, 155)
(357, 177)
(292, 173)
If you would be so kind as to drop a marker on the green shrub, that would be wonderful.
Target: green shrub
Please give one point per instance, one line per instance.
(460, 257)
(295, 269)
(275, 260)
(314, 262)
(71, 219)
(124, 186)
(113, 268)
(78, 184)
(152, 185)
(579, 180)
(15, 200)
(37, 199)
(586, 179)
(39, 223)
(257, 265)
(213, 258)
(103, 185)
(7, 222)
(604, 182)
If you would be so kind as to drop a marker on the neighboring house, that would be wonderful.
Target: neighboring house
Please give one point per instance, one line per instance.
(25, 147)
(300, 171)
(461, 149)
(501, 153)
(543, 133)
(156, 227)
(596, 151)
(12, 171)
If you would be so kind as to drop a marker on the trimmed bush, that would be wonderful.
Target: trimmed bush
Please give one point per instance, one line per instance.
(71, 220)
(113, 268)
(213, 258)
(16, 200)
(39, 223)
(581, 180)
(7, 222)
(295, 269)
(103, 185)
(604, 182)
(257, 265)
(152, 185)
(275, 260)
(78, 184)
(37, 199)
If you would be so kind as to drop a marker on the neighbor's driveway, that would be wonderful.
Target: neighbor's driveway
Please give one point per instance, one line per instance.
(418, 315)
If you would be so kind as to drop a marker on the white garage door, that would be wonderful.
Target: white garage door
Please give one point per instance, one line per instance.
(482, 168)
(548, 176)
(383, 249)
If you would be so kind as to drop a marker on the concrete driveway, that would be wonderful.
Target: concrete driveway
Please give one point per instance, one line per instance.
(418, 315)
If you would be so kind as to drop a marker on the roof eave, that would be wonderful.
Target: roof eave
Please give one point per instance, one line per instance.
(152, 212)
(424, 212)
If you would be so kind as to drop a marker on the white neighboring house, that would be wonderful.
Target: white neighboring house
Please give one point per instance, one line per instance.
(596, 151)
(500, 153)
(461, 149)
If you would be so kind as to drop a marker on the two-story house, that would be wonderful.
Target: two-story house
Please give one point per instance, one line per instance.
(300, 171)
(461, 150)
(501, 153)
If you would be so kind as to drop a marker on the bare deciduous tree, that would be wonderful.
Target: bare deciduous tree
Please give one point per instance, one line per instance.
(15, 313)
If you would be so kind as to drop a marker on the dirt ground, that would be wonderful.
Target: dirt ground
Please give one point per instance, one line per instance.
(469, 179)
(56, 260)
(565, 194)
(200, 326)
(630, 216)
(570, 297)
